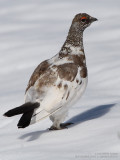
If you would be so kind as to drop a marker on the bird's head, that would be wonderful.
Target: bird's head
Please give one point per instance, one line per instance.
(83, 20)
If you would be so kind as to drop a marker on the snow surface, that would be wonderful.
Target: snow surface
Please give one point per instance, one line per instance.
(34, 30)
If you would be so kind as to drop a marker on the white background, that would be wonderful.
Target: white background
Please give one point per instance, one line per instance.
(34, 30)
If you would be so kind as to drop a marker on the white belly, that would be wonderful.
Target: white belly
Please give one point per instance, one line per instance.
(76, 91)
(62, 112)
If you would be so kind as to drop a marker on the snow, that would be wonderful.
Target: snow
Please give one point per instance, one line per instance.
(32, 31)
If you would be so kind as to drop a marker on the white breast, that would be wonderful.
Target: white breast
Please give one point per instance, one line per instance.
(79, 92)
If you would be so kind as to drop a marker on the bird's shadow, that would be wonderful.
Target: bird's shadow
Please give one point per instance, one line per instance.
(33, 135)
(93, 113)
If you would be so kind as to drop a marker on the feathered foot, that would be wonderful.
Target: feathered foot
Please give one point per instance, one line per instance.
(65, 125)
(62, 126)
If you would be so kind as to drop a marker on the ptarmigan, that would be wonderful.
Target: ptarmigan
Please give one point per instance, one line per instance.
(58, 82)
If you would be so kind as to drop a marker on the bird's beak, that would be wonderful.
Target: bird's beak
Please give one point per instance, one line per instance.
(93, 19)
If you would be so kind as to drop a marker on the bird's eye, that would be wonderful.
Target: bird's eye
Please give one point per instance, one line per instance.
(83, 19)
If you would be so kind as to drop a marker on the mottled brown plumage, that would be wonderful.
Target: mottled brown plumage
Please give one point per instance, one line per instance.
(67, 71)
(58, 82)
(83, 72)
(40, 70)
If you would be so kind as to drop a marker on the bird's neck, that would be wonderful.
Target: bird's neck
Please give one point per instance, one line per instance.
(75, 36)
(74, 41)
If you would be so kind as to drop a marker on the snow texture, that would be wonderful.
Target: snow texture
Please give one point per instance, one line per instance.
(34, 30)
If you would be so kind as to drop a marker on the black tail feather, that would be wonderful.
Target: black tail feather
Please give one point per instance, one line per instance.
(25, 108)
(25, 119)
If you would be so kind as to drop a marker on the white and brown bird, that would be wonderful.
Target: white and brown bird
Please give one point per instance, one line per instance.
(57, 83)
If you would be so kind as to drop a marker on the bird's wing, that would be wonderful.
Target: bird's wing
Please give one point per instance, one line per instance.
(54, 89)
(40, 70)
